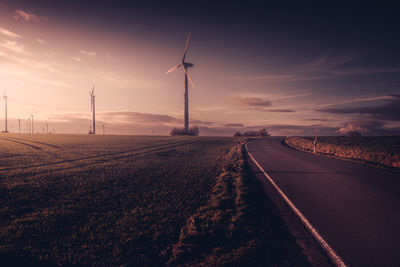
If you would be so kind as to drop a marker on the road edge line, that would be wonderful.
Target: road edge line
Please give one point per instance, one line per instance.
(324, 245)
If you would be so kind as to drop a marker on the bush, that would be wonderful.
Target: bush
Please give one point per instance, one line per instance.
(264, 132)
(194, 131)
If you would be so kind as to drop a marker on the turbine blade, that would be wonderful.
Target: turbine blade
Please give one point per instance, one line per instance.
(93, 90)
(187, 74)
(186, 46)
(173, 68)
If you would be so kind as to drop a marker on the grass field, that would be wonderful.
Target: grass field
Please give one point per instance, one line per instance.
(375, 150)
(128, 200)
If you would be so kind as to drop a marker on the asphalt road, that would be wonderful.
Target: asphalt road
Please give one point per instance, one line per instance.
(355, 208)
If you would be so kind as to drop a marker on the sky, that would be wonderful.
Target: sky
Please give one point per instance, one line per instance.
(292, 68)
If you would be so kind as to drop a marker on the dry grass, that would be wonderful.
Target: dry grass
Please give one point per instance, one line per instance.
(377, 150)
(237, 226)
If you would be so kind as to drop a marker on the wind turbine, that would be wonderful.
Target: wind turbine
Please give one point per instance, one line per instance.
(92, 105)
(185, 66)
(5, 100)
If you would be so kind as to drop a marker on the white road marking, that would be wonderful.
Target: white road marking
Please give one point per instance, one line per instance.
(325, 246)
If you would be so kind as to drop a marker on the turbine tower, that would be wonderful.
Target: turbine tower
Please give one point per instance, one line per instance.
(185, 66)
(92, 101)
(5, 100)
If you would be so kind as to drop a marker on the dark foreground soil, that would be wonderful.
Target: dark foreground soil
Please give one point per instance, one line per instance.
(136, 201)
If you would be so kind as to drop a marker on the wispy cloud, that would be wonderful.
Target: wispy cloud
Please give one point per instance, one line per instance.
(280, 98)
(355, 100)
(27, 61)
(234, 125)
(388, 111)
(280, 110)
(369, 126)
(137, 117)
(321, 68)
(41, 41)
(248, 101)
(31, 77)
(13, 46)
(9, 34)
(87, 53)
(20, 14)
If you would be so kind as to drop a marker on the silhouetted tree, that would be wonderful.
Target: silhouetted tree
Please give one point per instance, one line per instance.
(194, 131)
(237, 134)
(264, 132)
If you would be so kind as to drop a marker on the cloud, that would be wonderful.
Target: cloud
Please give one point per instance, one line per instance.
(317, 119)
(87, 53)
(9, 33)
(41, 41)
(357, 100)
(279, 110)
(137, 117)
(13, 46)
(76, 59)
(234, 125)
(121, 122)
(20, 14)
(369, 127)
(199, 122)
(321, 68)
(388, 111)
(291, 96)
(247, 101)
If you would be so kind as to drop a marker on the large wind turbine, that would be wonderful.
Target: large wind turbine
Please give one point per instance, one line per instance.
(185, 66)
(5, 100)
(92, 105)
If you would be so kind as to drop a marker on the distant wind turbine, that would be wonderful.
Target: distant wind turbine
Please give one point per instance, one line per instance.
(5, 100)
(185, 66)
(92, 105)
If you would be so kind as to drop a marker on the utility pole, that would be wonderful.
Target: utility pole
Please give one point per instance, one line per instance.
(315, 142)
(29, 125)
(104, 129)
(19, 125)
(47, 127)
(32, 123)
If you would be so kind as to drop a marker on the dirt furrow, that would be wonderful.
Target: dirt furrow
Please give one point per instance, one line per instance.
(104, 157)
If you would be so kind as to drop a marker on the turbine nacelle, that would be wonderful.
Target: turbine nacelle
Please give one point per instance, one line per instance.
(188, 65)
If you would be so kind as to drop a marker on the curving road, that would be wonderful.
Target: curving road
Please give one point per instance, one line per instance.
(355, 208)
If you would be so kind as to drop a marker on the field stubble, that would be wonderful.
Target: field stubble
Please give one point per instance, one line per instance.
(102, 200)
(136, 200)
